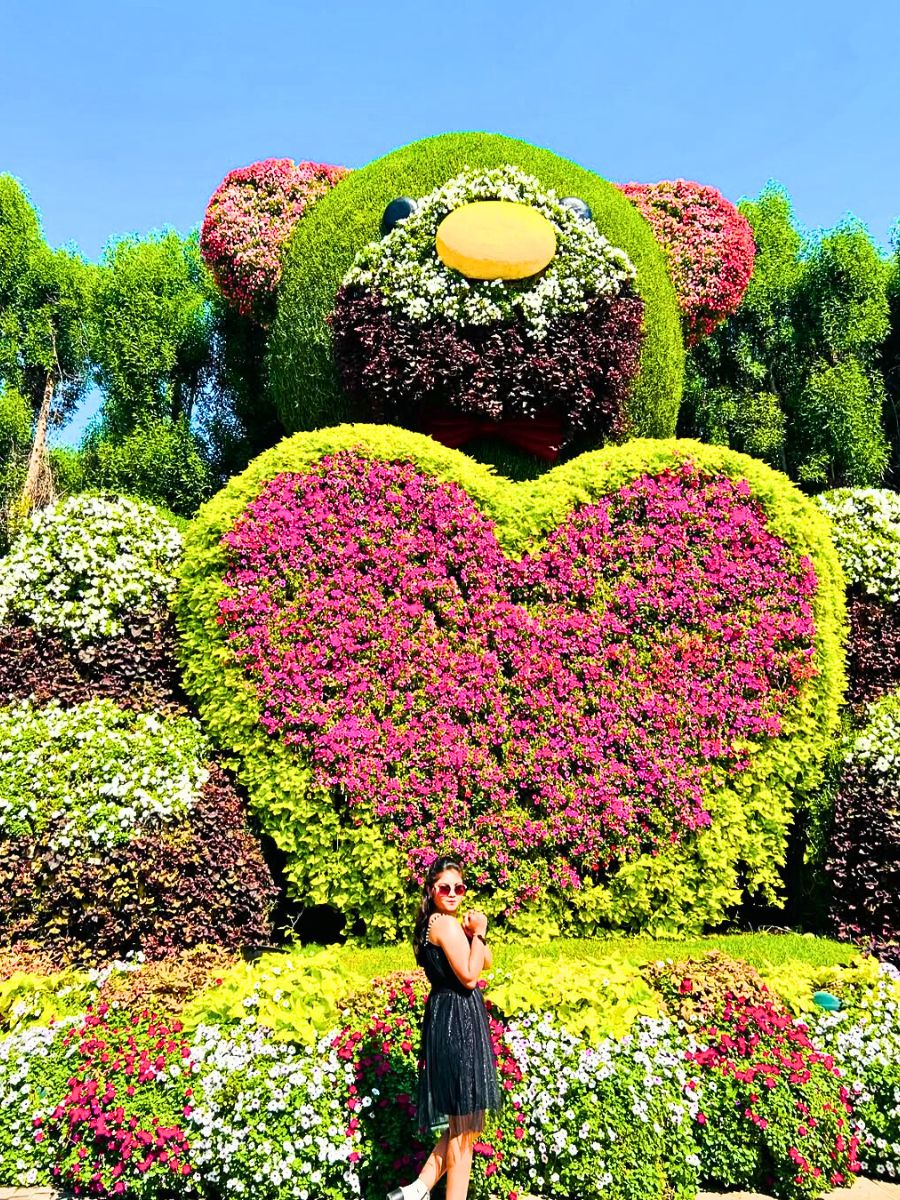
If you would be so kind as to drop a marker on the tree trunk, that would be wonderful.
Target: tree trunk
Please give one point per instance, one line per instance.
(38, 489)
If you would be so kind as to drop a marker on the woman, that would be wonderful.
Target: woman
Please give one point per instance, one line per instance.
(457, 1067)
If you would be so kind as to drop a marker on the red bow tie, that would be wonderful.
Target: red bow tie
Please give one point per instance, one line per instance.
(541, 435)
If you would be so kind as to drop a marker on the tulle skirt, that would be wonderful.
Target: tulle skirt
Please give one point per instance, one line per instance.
(457, 1066)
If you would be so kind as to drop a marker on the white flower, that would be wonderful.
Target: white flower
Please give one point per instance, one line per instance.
(406, 272)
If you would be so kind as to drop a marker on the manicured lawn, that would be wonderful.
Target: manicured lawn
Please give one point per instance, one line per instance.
(755, 948)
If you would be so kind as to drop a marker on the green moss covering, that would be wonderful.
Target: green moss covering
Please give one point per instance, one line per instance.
(324, 245)
(691, 885)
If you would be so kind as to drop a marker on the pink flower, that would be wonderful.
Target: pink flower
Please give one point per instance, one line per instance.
(709, 245)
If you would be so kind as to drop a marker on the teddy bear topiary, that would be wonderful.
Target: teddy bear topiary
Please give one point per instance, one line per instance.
(601, 684)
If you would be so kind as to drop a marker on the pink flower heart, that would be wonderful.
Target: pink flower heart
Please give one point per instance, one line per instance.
(563, 709)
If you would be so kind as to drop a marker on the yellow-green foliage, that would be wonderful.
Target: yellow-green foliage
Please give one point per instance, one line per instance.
(687, 886)
(34, 999)
(326, 241)
(295, 995)
(592, 997)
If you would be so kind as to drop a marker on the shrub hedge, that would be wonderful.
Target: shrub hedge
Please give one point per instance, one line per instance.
(137, 670)
(199, 880)
(340, 857)
(863, 863)
(323, 246)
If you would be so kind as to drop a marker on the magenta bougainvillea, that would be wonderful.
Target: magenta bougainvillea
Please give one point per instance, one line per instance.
(541, 717)
(709, 245)
(247, 220)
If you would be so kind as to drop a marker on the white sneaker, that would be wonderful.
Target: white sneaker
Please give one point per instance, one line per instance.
(412, 1191)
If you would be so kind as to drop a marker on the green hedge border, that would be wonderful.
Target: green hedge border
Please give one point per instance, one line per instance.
(324, 244)
(686, 887)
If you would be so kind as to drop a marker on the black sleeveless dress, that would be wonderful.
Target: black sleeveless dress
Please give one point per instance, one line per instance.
(457, 1065)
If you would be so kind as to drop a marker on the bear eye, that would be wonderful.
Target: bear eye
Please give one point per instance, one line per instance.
(581, 210)
(398, 210)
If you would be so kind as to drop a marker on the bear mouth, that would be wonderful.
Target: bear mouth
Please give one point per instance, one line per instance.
(414, 373)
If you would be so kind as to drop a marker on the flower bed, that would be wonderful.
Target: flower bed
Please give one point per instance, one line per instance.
(117, 1104)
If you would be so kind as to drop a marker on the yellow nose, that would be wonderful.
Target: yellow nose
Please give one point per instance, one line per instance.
(496, 239)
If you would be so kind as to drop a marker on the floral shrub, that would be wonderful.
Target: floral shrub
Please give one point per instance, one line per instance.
(274, 1119)
(542, 717)
(95, 774)
(85, 564)
(119, 1128)
(411, 336)
(249, 217)
(863, 859)
(864, 1037)
(33, 1072)
(865, 526)
(709, 244)
(198, 879)
(520, 646)
(775, 1114)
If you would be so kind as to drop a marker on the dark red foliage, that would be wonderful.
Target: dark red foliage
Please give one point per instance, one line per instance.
(201, 880)
(873, 651)
(398, 370)
(863, 862)
(137, 670)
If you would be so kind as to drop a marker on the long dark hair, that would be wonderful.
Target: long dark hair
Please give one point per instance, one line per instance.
(426, 907)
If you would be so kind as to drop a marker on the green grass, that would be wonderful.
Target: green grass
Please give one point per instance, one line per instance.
(759, 949)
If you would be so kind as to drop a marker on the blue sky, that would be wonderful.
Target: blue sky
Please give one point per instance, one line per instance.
(124, 117)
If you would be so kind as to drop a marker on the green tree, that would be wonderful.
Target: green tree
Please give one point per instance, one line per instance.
(239, 419)
(44, 336)
(794, 375)
(159, 460)
(152, 329)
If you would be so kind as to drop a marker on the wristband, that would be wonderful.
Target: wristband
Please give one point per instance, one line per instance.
(481, 938)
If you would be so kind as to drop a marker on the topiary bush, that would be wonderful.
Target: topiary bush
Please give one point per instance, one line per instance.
(249, 217)
(332, 591)
(412, 338)
(863, 863)
(85, 564)
(865, 525)
(709, 244)
(115, 836)
(323, 249)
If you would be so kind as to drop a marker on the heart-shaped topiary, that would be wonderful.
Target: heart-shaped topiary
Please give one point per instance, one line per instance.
(576, 684)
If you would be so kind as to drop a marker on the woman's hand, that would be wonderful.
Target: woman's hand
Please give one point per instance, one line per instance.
(474, 923)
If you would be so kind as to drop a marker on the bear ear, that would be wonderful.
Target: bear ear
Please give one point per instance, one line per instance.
(249, 218)
(709, 245)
